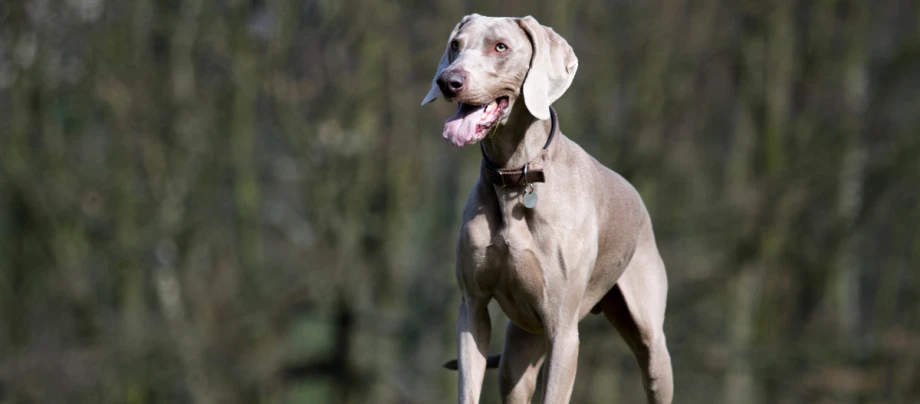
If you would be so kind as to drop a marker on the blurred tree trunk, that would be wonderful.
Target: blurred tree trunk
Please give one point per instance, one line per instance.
(14, 169)
(242, 145)
(740, 380)
(845, 276)
(132, 305)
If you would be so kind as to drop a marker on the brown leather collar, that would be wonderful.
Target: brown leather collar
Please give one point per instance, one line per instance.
(514, 177)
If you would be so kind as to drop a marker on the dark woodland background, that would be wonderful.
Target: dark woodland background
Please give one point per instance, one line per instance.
(241, 201)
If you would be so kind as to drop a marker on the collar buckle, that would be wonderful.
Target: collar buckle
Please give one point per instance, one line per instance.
(491, 171)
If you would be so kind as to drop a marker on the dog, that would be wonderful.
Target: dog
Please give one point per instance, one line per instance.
(547, 231)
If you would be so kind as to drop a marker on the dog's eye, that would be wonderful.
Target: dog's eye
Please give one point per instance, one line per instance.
(501, 47)
(454, 45)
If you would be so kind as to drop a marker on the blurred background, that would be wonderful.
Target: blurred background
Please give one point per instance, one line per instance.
(242, 202)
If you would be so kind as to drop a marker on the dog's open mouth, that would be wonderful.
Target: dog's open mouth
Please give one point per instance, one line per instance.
(471, 123)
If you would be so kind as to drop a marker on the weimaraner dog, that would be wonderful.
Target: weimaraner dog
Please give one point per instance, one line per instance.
(585, 245)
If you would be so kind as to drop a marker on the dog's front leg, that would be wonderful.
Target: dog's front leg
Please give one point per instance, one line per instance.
(473, 331)
(560, 365)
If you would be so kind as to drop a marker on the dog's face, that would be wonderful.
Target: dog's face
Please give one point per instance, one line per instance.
(490, 63)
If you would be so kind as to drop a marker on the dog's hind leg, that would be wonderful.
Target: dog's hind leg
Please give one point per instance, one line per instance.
(520, 364)
(636, 308)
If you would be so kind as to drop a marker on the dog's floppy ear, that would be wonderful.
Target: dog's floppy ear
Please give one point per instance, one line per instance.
(445, 61)
(552, 67)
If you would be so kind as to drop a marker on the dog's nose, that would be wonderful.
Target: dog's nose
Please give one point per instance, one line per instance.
(451, 82)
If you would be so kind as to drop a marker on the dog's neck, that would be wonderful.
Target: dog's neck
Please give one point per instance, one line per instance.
(518, 140)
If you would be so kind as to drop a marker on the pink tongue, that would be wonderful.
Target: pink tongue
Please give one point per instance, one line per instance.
(460, 129)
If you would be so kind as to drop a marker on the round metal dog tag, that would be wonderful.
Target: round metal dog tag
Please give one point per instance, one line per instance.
(530, 198)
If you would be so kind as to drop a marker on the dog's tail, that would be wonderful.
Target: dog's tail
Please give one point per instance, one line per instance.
(491, 362)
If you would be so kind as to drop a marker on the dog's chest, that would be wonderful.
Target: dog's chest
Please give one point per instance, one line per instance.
(511, 253)
(512, 269)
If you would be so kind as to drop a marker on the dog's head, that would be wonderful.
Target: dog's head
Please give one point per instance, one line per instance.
(491, 62)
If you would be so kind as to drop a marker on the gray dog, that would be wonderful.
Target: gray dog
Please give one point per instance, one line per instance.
(585, 245)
